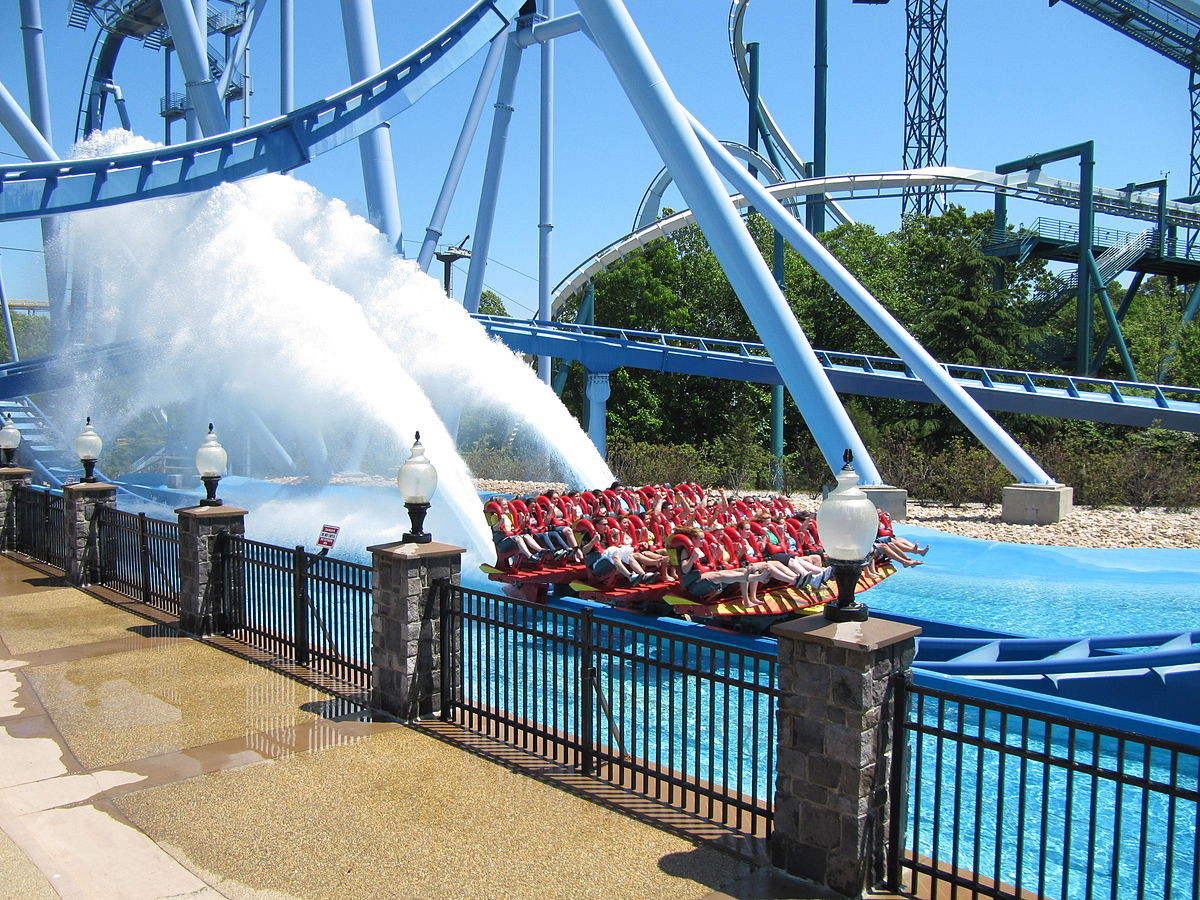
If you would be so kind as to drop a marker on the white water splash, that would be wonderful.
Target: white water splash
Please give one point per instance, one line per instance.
(266, 301)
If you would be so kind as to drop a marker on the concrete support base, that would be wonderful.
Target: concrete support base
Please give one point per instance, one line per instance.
(1036, 504)
(892, 500)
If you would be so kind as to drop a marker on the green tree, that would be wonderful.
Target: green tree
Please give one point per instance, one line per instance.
(490, 303)
(32, 334)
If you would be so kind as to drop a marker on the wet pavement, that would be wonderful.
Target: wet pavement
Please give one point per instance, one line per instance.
(137, 762)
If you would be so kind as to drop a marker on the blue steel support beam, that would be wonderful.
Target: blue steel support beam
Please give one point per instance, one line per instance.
(666, 123)
(374, 147)
(489, 193)
(287, 56)
(437, 221)
(190, 44)
(35, 67)
(23, 131)
(546, 188)
(598, 392)
(983, 426)
(815, 209)
(39, 111)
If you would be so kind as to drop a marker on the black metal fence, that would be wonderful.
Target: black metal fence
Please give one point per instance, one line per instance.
(40, 530)
(685, 720)
(301, 607)
(1006, 802)
(139, 557)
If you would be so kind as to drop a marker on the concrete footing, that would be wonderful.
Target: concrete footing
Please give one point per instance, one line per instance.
(892, 500)
(1036, 504)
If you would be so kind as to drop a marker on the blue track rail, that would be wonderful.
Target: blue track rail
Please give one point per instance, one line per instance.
(32, 190)
(601, 349)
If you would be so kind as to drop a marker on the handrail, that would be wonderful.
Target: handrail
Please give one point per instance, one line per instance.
(1077, 386)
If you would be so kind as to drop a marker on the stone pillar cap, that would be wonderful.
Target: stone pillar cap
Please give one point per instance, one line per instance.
(873, 634)
(211, 512)
(94, 487)
(417, 551)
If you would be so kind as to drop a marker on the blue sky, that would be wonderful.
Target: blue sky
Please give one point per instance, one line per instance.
(1023, 77)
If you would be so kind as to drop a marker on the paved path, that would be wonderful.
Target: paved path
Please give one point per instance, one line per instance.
(139, 763)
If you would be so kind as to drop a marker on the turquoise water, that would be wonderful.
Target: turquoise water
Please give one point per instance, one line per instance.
(1045, 591)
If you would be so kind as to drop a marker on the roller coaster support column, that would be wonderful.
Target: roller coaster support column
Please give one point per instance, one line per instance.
(191, 45)
(23, 131)
(459, 158)
(666, 123)
(374, 147)
(287, 56)
(486, 217)
(598, 392)
(546, 188)
(970, 413)
(755, 127)
(815, 207)
(39, 111)
(1086, 152)
(585, 316)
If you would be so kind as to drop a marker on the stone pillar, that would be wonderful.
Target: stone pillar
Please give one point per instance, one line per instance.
(201, 596)
(1036, 504)
(598, 392)
(79, 513)
(836, 742)
(406, 626)
(9, 479)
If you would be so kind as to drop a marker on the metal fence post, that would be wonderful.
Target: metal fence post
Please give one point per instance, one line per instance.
(587, 673)
(898, 790)
(144, 557)
(450, 661)
(300, 604)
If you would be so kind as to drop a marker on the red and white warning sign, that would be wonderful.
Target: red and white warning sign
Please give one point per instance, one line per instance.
(328, 536)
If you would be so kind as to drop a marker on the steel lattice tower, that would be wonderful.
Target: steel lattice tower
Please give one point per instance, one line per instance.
(1194, 94)
(925, 100)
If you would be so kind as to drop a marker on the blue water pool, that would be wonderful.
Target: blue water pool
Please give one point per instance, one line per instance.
(1045, 591)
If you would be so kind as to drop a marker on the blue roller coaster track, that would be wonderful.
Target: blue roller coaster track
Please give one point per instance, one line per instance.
(278, 145)
(601, 349)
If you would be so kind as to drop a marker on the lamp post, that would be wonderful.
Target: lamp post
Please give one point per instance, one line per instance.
(10, 440)
(848, 523)
(211, 460)
(417, 480)
(87, 447)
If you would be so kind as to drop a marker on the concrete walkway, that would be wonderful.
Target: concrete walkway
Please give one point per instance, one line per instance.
(136, 762)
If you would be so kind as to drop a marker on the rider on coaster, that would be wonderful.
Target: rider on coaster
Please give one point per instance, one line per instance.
(700, 576)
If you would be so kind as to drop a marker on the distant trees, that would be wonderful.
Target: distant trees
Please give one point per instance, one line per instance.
(962, 306)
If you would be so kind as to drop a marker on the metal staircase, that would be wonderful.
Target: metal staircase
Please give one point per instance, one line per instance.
(1112, 262)
(1169, 27)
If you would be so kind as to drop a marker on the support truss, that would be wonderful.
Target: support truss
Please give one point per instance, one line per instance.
(925, 100)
